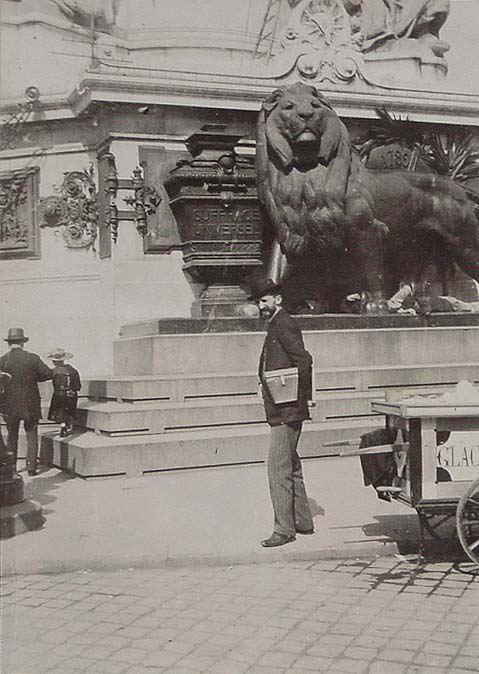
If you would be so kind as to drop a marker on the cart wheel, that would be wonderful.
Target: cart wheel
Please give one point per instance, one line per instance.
(467, 521)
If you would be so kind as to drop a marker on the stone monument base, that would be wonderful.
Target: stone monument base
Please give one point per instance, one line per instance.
(184, 393)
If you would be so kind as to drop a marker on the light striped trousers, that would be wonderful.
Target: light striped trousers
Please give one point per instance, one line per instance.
(286, 485)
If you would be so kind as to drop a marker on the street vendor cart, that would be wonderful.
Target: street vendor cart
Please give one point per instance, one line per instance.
(437, 470)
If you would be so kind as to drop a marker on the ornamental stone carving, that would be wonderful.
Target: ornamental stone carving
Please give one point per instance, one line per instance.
(18, 225)
(339, 40)
(320, 32)
(74, 212)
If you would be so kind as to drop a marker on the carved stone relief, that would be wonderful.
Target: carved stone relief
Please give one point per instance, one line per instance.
(339, 40)
(320, 32)
(74, 211)
(18, 224)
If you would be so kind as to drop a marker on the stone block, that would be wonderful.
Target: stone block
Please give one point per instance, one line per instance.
(238, 351)
(91, 455)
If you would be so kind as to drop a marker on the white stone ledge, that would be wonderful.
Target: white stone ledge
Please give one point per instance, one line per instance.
(64, 278)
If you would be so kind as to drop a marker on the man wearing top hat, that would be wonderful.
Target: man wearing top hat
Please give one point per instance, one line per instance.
(21, 397)
(284, 348)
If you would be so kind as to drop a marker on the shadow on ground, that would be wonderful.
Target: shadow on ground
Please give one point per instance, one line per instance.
(42, 487)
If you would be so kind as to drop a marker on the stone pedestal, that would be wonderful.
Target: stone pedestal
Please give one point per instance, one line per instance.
(219, 301)
(214, 200)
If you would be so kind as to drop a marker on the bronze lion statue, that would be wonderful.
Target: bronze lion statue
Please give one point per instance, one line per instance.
(343, 227)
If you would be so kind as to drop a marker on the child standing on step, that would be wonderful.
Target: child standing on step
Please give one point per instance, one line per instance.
(66, 384)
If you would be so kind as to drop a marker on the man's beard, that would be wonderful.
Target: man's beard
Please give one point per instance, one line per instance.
(266, 313)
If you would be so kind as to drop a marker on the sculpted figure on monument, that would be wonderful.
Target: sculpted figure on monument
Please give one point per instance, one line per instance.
(404, 27)
(378, 25)
(100, 13)
(343, 227)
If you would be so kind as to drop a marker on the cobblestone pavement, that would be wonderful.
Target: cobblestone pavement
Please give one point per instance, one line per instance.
(388, 615)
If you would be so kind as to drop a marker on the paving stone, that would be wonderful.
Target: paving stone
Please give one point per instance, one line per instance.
(360, 653)
(139, 669)
(85, 638)
(203, 664)
(244, 619)
(130, 655)
(386, 667)
(466, 662)
(107, 667)
(470, 650)
(230, 666)
(442, 648)
(397, 655)
(424, 669)
(349, 665)
(432, 659)
(103, 628)
(291, 646)
(369, 641)
(410, 644)
(161, 659)
(65, 650)
(326, 650)
(310, 663)
(245, 654)
(114, 642)
(277, 659)
(340, 639)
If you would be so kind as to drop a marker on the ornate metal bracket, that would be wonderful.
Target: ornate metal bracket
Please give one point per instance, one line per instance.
(144, 201)
(111, 188)
(75, 210)
(12, 128)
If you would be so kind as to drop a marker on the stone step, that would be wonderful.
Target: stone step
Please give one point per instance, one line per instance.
(159, 417)
(88, 454)
(176, 354)
(192, 386)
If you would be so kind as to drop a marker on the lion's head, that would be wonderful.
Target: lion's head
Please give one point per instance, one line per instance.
(303, 160)
(300, 126)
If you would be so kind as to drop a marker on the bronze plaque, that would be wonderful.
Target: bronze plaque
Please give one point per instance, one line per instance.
(212, 221)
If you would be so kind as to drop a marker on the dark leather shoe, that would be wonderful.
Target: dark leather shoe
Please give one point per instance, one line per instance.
(277, 539)
(32, 473)
(305, 532)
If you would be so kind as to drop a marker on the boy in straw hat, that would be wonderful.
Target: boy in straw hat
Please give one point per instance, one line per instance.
(66, 384)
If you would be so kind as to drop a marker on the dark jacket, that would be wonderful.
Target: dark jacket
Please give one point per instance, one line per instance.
(282, 348)
(21, 397)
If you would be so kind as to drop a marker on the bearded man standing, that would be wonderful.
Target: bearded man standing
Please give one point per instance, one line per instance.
(284, 348)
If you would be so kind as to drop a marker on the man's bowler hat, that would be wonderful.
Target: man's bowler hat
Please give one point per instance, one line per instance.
(262, 286)
(16, 335)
